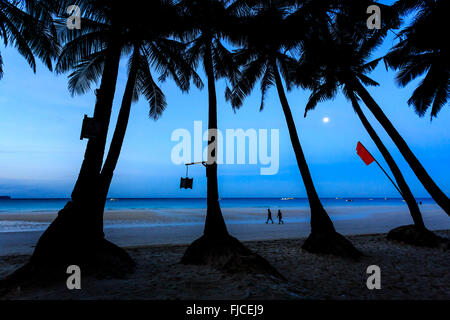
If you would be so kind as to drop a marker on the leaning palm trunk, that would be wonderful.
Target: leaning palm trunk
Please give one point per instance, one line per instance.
(95, 149)
(402, 185)
(217, 247)
(323, 238)
(88, 185)
(119, 132)
(435, 192)
(416, 234)
(320, 221)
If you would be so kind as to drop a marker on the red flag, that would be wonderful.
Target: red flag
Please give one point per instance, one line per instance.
(364, 154)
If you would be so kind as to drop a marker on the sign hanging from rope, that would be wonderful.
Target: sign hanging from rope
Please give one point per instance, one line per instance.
(186, 183)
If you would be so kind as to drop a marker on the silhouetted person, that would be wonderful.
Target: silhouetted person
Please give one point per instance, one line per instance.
(280, 217)
(420, 202)
(269, 216)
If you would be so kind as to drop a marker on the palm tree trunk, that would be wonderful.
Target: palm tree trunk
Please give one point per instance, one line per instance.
(435, 192)
(403, 186)
(320, 221)
(93, 158)
(76, 235)
(88, 184)
(119, 132)
(215, 224)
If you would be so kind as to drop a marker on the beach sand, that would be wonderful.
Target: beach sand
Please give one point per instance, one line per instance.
(406, 273)
(157, 240)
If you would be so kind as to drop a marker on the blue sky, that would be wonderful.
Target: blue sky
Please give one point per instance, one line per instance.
(41, 153)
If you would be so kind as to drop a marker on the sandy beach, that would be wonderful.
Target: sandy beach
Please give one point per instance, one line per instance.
(225, 150)
(157, 239)
(406, 273)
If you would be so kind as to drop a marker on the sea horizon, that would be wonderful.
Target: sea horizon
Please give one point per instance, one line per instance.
(36, 214)
(221, 198)
(24, 205)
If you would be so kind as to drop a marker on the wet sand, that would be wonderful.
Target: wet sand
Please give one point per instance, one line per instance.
(147, 227)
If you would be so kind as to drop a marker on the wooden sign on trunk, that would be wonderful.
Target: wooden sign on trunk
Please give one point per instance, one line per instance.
(91, 128)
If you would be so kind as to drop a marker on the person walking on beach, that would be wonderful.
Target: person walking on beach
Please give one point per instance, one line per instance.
(280, 217)
(269, 216)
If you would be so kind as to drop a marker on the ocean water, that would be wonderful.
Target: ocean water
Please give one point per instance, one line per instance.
(19, 215)
(41, 205)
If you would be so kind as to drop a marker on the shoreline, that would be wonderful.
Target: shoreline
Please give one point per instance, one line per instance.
(138, 228)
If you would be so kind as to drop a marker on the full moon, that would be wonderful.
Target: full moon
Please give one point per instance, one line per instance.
(326, 120)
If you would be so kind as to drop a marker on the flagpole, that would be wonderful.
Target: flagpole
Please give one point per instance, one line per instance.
(395, 185)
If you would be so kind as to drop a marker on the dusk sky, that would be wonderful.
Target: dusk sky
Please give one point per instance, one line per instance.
(41, 153)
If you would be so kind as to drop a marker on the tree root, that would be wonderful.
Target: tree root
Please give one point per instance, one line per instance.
(227, 254)
(102, 259)
(69, 241)
(418, 237)
(331, 243)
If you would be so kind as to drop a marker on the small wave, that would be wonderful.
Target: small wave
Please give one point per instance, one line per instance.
(22, 226)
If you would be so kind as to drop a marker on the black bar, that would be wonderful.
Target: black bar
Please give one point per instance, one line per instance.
(295, 309)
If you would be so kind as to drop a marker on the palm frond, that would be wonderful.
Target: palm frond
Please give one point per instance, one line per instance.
(367, 81)
(433, 91)
(86, 72)
(150, 90)
(322, 93)
(78, 49)
(441, 98)
(248, 77)
(266, 82)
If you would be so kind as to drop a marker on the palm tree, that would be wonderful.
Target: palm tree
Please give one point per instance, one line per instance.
(421, 50)
(210, 22)
(414, 56)
(61, 242)
(166, 56)
(436, 193)
(263, 57)
(416, 234)
(205, 45)
(26, 27)
(438, 88)
(109, 29)
(339, 61)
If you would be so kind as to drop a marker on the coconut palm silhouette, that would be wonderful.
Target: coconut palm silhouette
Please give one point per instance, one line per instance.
(270, 35)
